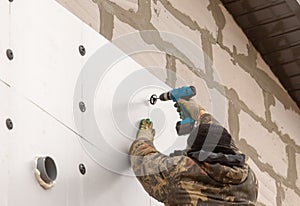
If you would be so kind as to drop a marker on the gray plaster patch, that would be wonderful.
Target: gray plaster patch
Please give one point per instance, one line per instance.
(171, 71)
(106, 23)
(233, 35)
(261, 64)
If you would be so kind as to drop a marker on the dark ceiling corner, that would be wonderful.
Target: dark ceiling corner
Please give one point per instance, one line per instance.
(273, 26)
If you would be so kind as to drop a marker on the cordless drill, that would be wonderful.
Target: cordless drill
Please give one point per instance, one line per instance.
(187, 124)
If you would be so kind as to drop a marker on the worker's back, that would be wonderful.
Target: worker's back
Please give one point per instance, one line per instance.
(195, 183)
(211, 171)
(181, 180)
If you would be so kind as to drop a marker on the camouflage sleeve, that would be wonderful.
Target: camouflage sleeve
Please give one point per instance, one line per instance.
(152, 168)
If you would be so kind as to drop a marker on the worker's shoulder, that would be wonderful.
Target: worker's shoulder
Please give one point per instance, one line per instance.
(184, 164)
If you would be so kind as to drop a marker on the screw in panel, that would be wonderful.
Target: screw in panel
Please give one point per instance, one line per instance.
(82, 169)
(82, 107)
(9, 124)
(9, 54)
(82, 50)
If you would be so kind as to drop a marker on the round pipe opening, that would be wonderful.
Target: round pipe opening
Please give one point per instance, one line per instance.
(50, 168)
(47, 169)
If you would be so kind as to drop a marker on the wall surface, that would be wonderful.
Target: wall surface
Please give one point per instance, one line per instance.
(190, 43)
(72, 105)
(263, 119)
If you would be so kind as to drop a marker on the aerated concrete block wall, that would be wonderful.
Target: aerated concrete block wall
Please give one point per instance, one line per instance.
(260, 115)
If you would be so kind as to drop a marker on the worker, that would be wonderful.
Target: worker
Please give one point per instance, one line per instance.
(211, 170)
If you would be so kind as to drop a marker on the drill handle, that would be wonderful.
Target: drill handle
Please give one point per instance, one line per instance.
(183, 112)
(186, 125)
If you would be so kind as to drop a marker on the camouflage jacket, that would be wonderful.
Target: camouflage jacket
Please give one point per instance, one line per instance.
(180, 180)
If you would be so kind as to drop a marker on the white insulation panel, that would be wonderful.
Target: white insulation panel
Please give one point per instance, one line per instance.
(40, 91)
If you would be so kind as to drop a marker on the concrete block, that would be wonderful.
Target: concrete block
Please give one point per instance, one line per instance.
(153, 60)
(174, 32)
(286, 120)
(87, 11)
(233, 34)
(149, 57)
(259, 138)
(121, 29)
(198, 12)
(291, 198)
(233, 76)
(267, 190)
(298, 169)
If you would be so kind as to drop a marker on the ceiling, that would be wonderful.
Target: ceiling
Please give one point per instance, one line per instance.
(273, 26)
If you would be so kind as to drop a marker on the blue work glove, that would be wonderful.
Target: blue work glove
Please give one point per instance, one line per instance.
(146, 131)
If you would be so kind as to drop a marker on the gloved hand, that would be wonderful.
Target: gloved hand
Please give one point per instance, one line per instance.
(145, 130)
(194, 109)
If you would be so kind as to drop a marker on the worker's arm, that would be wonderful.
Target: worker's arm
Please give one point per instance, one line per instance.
(152, 168)
(197, 112)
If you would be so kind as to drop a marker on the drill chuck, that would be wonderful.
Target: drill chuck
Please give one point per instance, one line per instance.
(165, 96)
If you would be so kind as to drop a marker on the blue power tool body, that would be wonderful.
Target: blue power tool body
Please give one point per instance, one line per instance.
(186, 125)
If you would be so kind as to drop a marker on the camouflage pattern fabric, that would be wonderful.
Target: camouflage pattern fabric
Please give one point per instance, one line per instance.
(179, 180)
